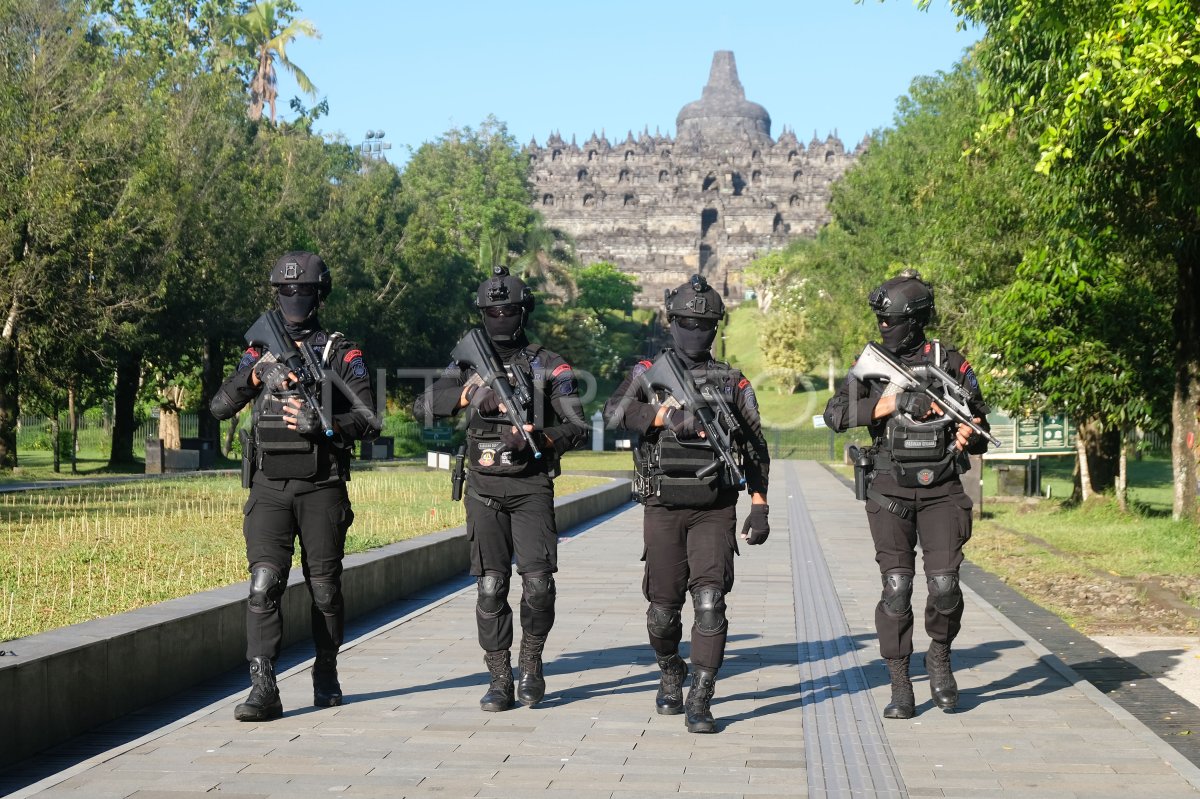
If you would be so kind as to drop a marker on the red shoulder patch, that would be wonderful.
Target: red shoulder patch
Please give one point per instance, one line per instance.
(928, 347)
(351, 355)
(965, 366)
(744, 382)
(558, 370)
(251, 351)
(646, 364)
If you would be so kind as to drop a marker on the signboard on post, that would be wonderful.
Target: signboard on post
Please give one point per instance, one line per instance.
(1048, 434)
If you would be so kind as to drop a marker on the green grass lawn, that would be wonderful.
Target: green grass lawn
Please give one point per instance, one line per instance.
(77, 553)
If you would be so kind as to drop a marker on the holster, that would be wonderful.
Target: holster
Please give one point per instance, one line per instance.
(248, 458)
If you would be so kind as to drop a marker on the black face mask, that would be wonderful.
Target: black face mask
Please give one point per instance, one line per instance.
(299, 313)
(695, 344)
(902, 335)
(503, 328)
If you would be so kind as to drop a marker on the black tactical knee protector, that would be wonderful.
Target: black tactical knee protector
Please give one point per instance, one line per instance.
(945, 592)
(709, 604)
(539, 591)
(266, 587)
(327, 597)
(897, 594)
(664, 623)
(493, 594)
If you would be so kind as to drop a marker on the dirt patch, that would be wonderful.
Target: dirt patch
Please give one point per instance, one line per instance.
(1098, 606)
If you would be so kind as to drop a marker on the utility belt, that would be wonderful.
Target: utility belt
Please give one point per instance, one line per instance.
(666, 471)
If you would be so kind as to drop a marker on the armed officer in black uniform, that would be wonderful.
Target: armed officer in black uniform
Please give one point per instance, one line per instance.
(298, 480)
(510, 493)
(689, 526)
(915, 492)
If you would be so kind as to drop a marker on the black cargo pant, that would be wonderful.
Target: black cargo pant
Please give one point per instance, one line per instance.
(942, 524)
(687, 549)
(499, 528)
(273, 520)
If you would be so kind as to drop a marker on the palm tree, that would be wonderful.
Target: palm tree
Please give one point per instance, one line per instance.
(258, 31)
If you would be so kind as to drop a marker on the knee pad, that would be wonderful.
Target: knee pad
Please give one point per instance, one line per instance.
(945, 592)
(709, 604)
(539, 591)
(266, 587)
(664, 623)
(327, 597)
(493, 594)
(897, 594)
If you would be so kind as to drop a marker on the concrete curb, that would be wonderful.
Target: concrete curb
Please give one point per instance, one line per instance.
(64, 682)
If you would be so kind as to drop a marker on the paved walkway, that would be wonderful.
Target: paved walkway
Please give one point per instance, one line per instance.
(798, 700)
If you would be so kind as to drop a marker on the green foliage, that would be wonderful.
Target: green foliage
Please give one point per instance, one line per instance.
(602, 287)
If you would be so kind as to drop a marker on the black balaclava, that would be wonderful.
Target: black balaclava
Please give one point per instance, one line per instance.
(299, 314)
(903, 335)
(507, 334)
(695, 344)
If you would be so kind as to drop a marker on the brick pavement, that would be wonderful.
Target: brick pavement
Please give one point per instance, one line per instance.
(798, 699)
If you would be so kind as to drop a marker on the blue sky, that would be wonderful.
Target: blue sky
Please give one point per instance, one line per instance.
(415, 70)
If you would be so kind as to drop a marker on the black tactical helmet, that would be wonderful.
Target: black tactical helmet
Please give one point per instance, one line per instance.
(503, 289)
(695, 298)
(905, 295)
(300, 266)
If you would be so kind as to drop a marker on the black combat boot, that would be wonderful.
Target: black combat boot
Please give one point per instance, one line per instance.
(903, 704)
(942, 685)
(327, 692)
(263, 703)
(532, 686)
(674, 671)
(499, 695)
(698, 716)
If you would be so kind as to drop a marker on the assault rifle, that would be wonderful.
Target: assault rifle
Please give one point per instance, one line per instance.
(710, 409)
(876, 364)
(475, 351)
(270, 334)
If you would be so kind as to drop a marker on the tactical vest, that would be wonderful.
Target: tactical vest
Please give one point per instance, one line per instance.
(282, 453)
(918, 454)
(486, 451)
(667, 467)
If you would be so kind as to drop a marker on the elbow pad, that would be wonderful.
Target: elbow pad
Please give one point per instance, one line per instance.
(223, 406)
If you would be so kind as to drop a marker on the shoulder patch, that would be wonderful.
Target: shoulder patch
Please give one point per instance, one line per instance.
(248, 357)
(351, 355)
(743, 383)
(558, 370)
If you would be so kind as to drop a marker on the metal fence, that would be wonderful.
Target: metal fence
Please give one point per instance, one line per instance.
(95, 432)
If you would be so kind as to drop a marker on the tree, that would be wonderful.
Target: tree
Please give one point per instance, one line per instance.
(1111, 92)
(603, 288)
(265, 31)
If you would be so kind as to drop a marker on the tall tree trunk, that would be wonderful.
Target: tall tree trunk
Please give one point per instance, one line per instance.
(8, 389)
(168, 417)
(211, 375)
(832, 373)
(1123, 476)
(129, 376)
(1098, 450)
(1185, 403)
(55, 429)
(73, 412)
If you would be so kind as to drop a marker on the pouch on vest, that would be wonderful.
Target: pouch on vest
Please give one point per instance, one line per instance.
(283, 453)
(676, 485)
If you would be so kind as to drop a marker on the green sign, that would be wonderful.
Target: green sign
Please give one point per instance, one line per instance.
(1035, 435)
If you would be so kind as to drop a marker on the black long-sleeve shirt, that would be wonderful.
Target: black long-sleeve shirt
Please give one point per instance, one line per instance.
(557, 418)
(631, 407)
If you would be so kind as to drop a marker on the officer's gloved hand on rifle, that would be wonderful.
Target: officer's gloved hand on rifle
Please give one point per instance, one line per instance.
(681, 423)
(275, 376)
(514, 441)
(756, 529)
(303, 416)
(914, 403)
(485, 400)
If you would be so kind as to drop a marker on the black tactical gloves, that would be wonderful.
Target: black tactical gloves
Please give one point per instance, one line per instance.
(681, 423)
(915, 404)
(513, 440)
(757, 528)
(307, 420)
(485, 400)
(274, 375)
